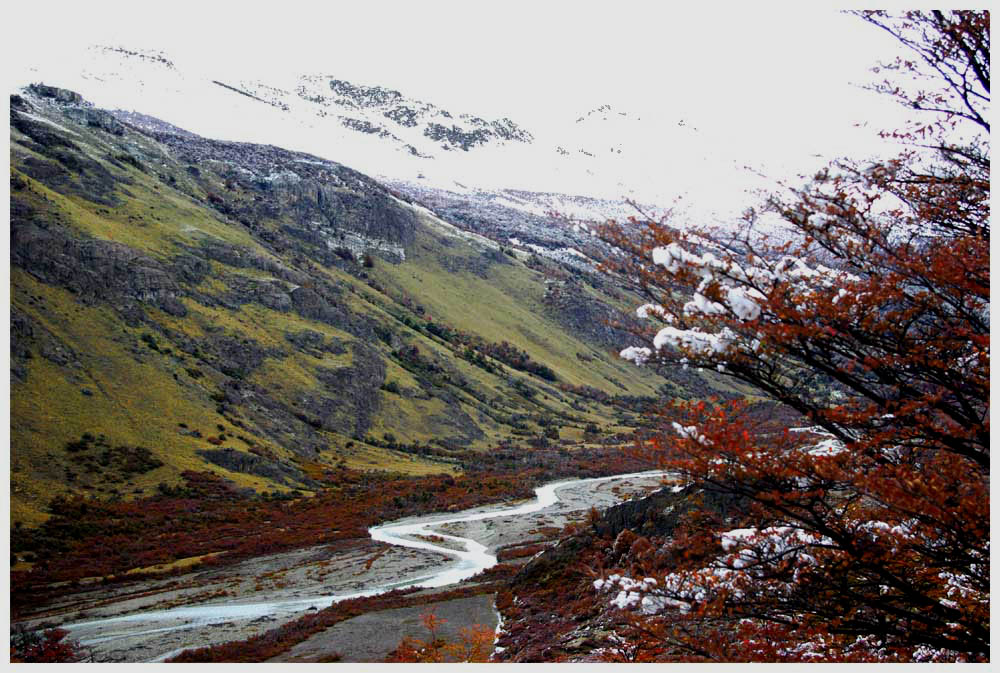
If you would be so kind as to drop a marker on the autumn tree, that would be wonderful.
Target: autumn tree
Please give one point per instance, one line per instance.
(865, 533)
(36, 646)
(472, 645)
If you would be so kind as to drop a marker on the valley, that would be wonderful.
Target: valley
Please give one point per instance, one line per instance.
(272, 316)
(156, 619)
(229, 361)
(381, 333)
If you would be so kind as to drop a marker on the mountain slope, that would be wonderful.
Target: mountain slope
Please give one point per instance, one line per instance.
(185, 304)
(608, 152)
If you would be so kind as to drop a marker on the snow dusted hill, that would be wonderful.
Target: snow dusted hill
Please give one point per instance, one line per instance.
(548, 224)
(607, 154)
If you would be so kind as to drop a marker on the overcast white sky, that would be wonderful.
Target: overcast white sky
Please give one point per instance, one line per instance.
(530, 60)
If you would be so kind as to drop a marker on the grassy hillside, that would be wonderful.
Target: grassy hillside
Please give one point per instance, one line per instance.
(179, 304)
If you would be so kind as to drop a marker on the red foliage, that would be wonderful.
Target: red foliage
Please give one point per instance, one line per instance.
(867, 537)
(473, 645)
(47, 647)
(524, 551)
(272, 643)
(90, 538)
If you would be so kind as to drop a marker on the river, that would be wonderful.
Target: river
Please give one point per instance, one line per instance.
(468, 556)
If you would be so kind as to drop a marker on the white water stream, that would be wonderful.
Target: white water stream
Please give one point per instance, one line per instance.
(471, 557)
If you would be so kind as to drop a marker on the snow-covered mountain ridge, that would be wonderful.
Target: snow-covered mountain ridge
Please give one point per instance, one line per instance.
(608, 154)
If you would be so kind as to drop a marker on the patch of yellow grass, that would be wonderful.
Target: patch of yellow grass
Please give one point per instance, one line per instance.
(173, 565)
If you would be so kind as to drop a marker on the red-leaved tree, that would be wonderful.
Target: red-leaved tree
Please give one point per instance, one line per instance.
(473, 644)
(864, 533)
(47, 647)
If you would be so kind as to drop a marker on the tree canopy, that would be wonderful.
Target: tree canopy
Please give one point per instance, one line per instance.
(865, 530)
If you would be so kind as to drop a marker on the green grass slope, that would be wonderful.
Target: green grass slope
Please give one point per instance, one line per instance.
(182, 304)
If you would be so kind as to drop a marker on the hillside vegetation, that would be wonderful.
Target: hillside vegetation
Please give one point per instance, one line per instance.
(180, 304)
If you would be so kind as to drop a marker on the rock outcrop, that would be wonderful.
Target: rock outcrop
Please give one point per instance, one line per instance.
(92, 269)
(350, 395)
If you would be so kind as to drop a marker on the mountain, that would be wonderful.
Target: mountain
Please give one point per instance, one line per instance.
(370, 127)
(375, 108)
(181, 304)
(606, 153)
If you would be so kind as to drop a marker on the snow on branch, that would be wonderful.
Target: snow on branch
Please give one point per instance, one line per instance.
(738, 291)
(752, 559)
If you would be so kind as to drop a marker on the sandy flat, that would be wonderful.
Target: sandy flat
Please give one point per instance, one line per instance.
(372, 636)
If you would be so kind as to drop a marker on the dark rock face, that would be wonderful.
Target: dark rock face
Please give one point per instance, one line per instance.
(190, 268)
(66, 168)
(351, 394)
(49, 173)
(314, 343)
(285, 425)
(581, 314)
(323, 209)
(310, 304)
(92, 269)
(272, 295)
(244, 258)
(21, 334)
(267, 292)
(248, 463)
(236, 356)
(26, 333)
(230, 255)
(57, 94)
(319, 202)
(43, 134)
(99, 119)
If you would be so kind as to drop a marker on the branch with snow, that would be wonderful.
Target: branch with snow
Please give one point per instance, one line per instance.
(742, 290)
(752, 557)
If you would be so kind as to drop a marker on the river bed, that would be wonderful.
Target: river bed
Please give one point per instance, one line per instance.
(160, 618)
